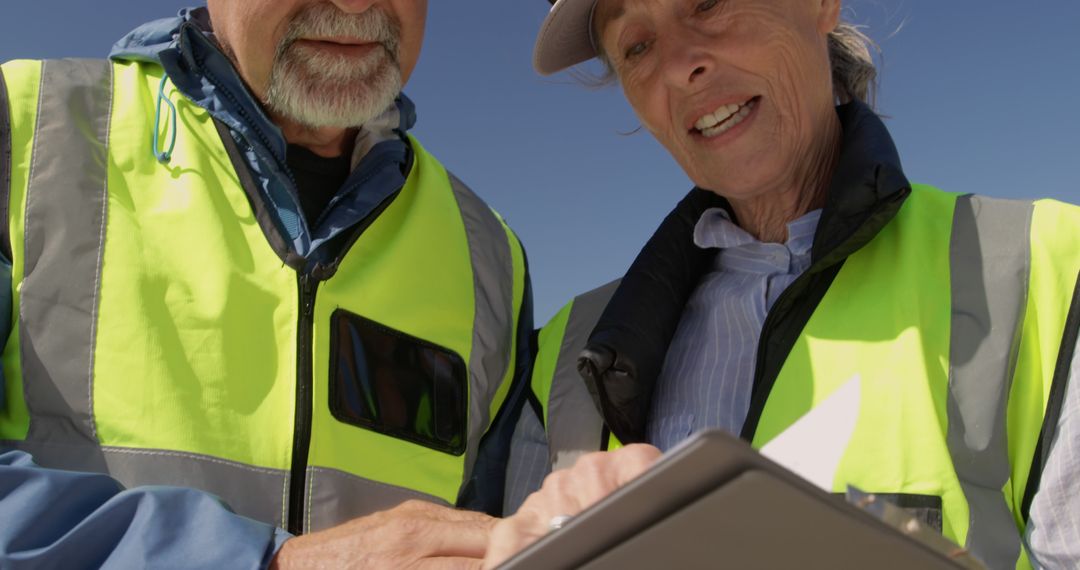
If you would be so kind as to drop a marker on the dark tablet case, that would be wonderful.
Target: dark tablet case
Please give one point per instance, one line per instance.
(714, 502)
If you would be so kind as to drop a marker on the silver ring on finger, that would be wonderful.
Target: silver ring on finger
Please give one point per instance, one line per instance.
(558, 522)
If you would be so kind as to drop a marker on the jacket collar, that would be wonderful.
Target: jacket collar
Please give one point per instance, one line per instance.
(186, 48)
(867, 188)
(625, 353)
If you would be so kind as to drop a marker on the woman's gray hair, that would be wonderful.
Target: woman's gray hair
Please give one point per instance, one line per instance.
(850, 53)
(853, 71)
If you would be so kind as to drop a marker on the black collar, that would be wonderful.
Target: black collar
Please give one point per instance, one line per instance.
(626, 350)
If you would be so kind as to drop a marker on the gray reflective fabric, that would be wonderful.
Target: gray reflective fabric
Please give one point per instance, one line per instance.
(250, 491)
(335, 497)
(989, 256)
(579, 427)
(493, 321)
(64, 232)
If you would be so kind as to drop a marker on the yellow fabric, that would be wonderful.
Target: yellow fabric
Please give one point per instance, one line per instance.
(549, 345)
(190, 291)
(413, 251)
(900, 351)
(197, 332)
(23, 80)
(1055, 263)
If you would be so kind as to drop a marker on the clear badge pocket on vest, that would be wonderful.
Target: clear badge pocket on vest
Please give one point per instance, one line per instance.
(395, 384)
(923, 508)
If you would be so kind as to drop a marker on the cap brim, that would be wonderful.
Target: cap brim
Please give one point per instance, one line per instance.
(565, 39)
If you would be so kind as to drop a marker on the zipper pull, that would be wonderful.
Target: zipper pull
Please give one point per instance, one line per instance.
(307, 298)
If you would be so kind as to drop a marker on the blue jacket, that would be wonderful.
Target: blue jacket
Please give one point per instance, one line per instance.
(69, 519)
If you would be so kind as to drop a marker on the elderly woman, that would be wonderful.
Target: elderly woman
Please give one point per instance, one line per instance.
(803, 259)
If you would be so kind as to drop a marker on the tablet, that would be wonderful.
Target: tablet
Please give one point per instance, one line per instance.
(715, 502)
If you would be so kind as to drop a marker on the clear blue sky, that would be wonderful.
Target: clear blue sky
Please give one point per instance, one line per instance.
(981, 95)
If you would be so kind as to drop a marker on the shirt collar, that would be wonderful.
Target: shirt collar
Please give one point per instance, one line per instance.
(715, 229)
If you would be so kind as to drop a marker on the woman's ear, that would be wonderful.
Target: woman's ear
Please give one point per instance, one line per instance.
(828, 15)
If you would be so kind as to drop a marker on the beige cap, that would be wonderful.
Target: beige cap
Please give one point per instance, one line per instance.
(566, 37)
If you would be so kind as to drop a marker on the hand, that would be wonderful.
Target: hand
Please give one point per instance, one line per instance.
(415, 534)
(567, 492)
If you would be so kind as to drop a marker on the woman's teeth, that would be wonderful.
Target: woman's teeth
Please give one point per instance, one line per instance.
(722, 119)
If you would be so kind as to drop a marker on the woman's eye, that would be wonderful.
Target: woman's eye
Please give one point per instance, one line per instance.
(636, 50)
(706, 6)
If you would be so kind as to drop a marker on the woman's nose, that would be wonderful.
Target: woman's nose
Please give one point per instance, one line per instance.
(686, 62)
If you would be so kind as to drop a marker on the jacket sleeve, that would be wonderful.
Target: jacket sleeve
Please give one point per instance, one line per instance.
(66, 519)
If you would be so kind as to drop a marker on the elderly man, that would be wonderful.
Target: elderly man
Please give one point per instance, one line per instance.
(233, 274)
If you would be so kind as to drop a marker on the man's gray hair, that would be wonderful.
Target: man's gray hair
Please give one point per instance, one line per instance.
(853, 71)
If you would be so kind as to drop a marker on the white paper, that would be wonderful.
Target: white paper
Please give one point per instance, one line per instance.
(813, 446)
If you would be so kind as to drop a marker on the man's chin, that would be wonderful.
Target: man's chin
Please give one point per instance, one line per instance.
(320, 103)
(335, 115)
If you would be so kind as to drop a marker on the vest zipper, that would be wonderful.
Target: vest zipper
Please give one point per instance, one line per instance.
(302, 427)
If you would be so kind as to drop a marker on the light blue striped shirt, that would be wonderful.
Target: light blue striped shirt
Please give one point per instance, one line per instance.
(709, 370)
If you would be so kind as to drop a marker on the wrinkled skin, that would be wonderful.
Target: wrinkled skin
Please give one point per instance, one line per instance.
(251, 30)
(413, 535)
(567, 492)
(680, 59)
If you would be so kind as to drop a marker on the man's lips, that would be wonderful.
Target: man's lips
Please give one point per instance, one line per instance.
(342, 46)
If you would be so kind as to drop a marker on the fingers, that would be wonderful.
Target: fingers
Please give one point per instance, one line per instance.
(567, 492)
(597, 475)
(449, 563)
(512, 535)
(633, 460)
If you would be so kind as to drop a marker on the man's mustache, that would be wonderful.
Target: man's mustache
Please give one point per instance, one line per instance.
(324, 20)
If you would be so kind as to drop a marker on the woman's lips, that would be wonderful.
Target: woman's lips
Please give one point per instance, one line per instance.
(735, 122)
(724, 118)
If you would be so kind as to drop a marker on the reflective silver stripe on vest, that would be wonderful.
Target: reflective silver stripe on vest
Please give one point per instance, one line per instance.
(64, 234)
(337, 496)
(248, 489)
(493, 324)
(579, 429)
(989, 261)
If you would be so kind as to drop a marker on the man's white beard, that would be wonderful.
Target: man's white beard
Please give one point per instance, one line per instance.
(319, 89)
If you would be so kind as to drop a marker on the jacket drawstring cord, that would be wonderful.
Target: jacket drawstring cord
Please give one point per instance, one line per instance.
(164, 156)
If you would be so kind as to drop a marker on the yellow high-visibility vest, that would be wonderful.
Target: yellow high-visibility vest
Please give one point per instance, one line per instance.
(954, 319)
(158, 337)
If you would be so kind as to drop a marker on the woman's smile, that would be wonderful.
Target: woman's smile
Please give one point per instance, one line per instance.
(725, 120)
